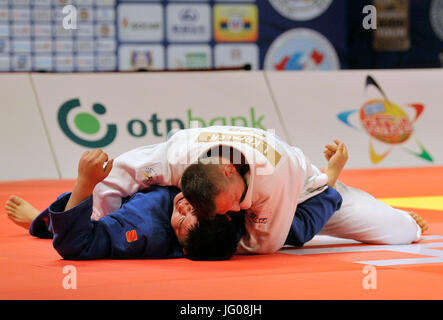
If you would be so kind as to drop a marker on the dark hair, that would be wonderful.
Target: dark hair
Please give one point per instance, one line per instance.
(200, 185)
(212, 239)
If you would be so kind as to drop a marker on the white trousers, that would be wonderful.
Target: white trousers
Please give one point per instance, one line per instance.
(368, 220)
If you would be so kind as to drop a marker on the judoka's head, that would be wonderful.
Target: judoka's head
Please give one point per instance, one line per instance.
(213, 188)
(183, 217)
(212, 239)
(203, 239)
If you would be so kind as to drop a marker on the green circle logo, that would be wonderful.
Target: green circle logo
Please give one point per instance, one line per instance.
(85, 123)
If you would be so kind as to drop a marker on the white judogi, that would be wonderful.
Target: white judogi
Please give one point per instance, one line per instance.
(366, 219)
(280, 177)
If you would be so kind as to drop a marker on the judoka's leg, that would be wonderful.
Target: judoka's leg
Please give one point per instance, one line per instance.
(366, 219)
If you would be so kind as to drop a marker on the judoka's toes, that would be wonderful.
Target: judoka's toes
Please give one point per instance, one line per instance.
(420, 221)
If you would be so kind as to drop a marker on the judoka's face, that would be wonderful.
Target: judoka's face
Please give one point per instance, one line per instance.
(232, 195)
(183, 217)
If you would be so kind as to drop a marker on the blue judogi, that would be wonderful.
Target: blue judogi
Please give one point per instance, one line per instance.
(141, 228)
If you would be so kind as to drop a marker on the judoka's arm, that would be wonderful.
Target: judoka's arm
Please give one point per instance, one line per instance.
(75, 235)
(132, 171)
(137, 230)
(337, 157)
(312, 215)
(70, 222)
(91, 170)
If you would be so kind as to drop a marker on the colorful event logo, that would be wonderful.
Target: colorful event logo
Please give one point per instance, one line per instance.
(86, 124)
(386, 122)
(300, 10)
(141, 59)
(235, 23)
(301, 49)
(435, 15)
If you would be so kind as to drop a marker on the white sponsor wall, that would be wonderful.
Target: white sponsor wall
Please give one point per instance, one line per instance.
(145, 107)
(49, 120)
(24, 146)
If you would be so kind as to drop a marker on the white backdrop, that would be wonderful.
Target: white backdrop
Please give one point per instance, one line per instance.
(302, 107)
(25, 149)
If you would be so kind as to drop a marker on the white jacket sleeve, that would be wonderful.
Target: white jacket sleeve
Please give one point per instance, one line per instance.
(108, 194)
(132, 171)
(315, 181)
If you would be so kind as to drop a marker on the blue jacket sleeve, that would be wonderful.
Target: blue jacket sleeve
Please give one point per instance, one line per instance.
(311, 216)
(75, 235)
(139, 229)
(40, 225)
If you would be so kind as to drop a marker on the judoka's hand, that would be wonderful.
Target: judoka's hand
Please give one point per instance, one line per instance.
(92, 168)
(337, 156)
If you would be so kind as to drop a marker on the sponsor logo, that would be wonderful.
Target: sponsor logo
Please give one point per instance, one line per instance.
(134, 57)
(42, 62)
(140, 22)
(4, 46)
(233, 55)
(131, 236)
(152, 177)
(64, 62)
(435, 15)
(85, 14)
(150, 174)
(256, 219)
(4, 14)
(187, 23)
(301, 49)
(21, 62)
(393, 24)
(86, 124)
(300, 10)
(4, 63)
(85, 128)
(386, 122)
(141, 59)
(235, 23)
(105, 30)
(189, 56)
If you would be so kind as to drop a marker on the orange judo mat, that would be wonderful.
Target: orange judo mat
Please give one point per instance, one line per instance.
(31, 269)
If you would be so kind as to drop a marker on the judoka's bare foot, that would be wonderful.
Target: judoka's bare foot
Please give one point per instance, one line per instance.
(420, 221)
(20, 211)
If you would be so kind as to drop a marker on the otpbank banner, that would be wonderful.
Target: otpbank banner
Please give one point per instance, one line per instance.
(119, 112)
(387, 118)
